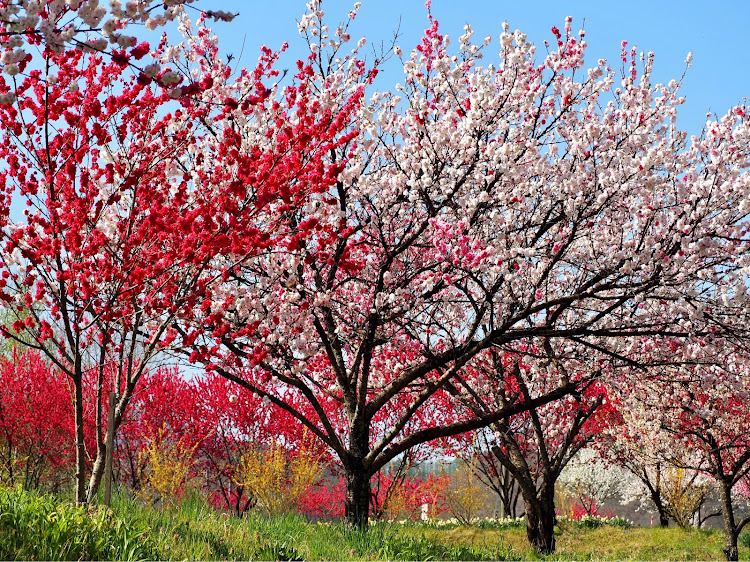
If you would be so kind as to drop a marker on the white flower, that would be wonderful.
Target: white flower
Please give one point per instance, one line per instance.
(152, 70)
(170, 77)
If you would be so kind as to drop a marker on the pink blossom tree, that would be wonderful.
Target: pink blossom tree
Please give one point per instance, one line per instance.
(480, 204)
(704, 408)
(536, 445)
(636, 442)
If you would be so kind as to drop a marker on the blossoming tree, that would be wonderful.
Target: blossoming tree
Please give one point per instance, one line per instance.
(636, 442)
(36, 430)
(703, 406)
(133, 182)
(481, 205)
(535, 446)
(84, 24)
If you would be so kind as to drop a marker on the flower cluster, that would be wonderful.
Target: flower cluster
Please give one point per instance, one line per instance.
(89, 25)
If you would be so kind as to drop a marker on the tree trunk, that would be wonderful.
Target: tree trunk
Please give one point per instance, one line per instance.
(509, 504)
(663, 517)
(80, 442)
(110, 449)
(515, 494)
(730, 527)
(97, 471)
(510, 491)
(540, 520)
(654, 491)
(357, 505)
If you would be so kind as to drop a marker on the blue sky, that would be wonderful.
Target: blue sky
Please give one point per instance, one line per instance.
(716, 32)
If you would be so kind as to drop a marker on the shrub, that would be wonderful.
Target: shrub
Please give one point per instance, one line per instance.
(168, 465)
(463, 494)
(276, 478)
(684, 491)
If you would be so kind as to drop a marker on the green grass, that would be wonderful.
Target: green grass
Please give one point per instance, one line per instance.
(578, 542)
(197, 532)
(36, 527)
(40, 527)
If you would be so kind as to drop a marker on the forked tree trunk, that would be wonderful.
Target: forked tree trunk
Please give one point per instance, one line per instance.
(97, 471)
(540, 520)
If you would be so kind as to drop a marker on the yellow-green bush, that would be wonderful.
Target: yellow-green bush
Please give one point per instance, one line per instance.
(276, 478)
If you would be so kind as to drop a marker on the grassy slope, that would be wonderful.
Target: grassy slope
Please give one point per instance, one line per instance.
(196, 532)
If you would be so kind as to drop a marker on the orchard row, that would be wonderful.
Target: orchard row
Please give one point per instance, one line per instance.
(506, 240)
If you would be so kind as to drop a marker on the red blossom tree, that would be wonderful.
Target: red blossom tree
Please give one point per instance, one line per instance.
(133, 186)
(86, 272)
(36, 429)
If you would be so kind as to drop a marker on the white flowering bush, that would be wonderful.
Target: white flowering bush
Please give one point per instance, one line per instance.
(480, 522)
(503, 523)
(589, 482)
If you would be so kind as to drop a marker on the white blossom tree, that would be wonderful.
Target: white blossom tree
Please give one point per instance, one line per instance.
(591, 481)
(88, 25)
